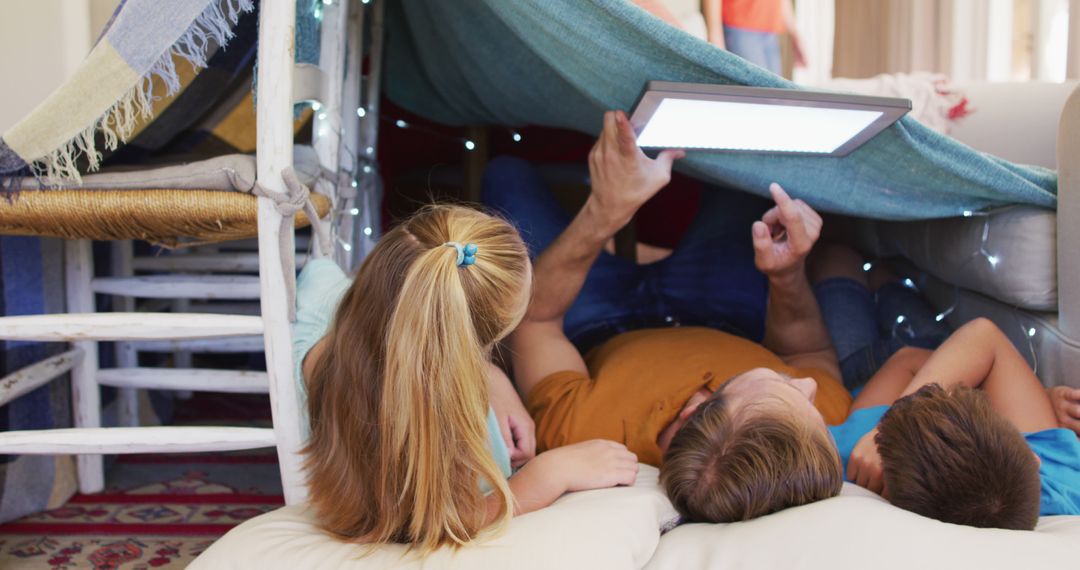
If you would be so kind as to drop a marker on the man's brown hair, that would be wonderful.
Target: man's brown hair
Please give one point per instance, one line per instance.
(728, 465)
(947, 455)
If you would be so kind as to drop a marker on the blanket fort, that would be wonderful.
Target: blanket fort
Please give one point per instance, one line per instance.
(561, 63)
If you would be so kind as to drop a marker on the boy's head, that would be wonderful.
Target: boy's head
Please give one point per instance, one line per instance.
(755, 446)
(947, 455)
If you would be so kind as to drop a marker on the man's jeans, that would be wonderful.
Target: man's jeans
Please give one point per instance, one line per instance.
(710, 279)
(867, 328)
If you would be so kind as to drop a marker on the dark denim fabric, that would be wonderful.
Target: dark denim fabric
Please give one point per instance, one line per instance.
(864, 327)
(710, 279)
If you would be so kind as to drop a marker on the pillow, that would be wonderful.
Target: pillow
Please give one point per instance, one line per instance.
(860, 531)
(604, 528)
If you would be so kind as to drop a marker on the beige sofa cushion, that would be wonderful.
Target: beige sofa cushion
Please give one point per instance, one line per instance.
(605, 528)
(859, 531)
(1016, 263)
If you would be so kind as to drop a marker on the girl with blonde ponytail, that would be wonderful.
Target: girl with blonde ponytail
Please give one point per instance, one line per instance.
(404, 446)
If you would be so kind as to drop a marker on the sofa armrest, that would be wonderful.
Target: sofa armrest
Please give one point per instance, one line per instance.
(1068, 217)
(1031, 107)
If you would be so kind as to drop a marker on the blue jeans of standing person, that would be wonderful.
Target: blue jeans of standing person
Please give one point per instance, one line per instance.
(709, 280)
(760, 48)
(867, 328)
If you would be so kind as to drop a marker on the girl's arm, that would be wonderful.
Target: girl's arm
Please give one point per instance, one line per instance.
(594, 464)
(515, 423)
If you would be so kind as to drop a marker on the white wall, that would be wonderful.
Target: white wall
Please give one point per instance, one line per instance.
(41, 43)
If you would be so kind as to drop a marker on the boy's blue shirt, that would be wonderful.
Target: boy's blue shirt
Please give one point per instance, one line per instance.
(1058, 450)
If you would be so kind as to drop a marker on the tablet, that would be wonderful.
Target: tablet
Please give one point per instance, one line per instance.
(730, 118)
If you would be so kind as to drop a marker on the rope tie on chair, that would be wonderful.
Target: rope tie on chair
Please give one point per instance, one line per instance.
(296, 197)
(340, 180)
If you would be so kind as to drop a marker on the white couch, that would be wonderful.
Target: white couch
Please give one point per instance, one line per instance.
(1031, 287)
(620, 529)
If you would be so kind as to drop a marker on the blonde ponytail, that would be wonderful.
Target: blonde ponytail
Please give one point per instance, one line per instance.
(434, 437)
(398, 404)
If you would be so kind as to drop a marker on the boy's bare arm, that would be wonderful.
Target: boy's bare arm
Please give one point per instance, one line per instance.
(892, 378)
(979, 355)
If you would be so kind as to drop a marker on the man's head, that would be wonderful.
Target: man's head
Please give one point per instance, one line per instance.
(755, 446)
(947, 455)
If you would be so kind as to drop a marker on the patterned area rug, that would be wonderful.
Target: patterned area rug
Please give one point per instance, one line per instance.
(158, 511)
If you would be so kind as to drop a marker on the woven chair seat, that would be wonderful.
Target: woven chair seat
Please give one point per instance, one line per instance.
(167, 217)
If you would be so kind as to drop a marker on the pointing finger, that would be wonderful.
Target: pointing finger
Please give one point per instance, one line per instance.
(792, 219)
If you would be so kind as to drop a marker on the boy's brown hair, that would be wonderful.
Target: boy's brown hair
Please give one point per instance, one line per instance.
(947, 455)
(728, 465)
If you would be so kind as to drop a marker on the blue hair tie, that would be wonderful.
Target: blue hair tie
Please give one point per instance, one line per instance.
(466, 254)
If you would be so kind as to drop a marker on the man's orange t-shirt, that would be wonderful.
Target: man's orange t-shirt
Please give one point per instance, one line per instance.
(640, 380)
(756, 15)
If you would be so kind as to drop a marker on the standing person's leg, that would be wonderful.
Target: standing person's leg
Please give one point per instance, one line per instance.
(771, 47)
(611, 293)
(759, 48)
(710, 279)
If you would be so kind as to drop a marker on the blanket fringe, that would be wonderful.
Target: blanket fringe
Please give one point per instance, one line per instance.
(212, 27)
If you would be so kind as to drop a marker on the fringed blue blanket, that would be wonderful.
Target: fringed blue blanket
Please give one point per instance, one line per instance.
(562, 63)
(113, 89)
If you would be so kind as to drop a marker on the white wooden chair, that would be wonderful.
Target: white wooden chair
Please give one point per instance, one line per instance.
(84, 328)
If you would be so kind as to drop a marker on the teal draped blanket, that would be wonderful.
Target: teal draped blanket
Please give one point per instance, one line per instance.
(561, 63)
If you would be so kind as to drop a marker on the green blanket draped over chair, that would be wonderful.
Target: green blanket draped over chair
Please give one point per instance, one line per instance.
(561, 63)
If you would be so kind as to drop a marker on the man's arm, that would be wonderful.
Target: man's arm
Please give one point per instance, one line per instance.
(539, 346)
(794, 329)
(623, 179)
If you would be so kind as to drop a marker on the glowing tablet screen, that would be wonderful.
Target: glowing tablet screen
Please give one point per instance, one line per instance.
(727, 118)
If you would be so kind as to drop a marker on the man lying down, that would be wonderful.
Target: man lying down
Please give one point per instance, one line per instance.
(738, 428)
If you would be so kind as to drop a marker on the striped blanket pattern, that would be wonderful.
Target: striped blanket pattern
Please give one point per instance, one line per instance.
(112, 92)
